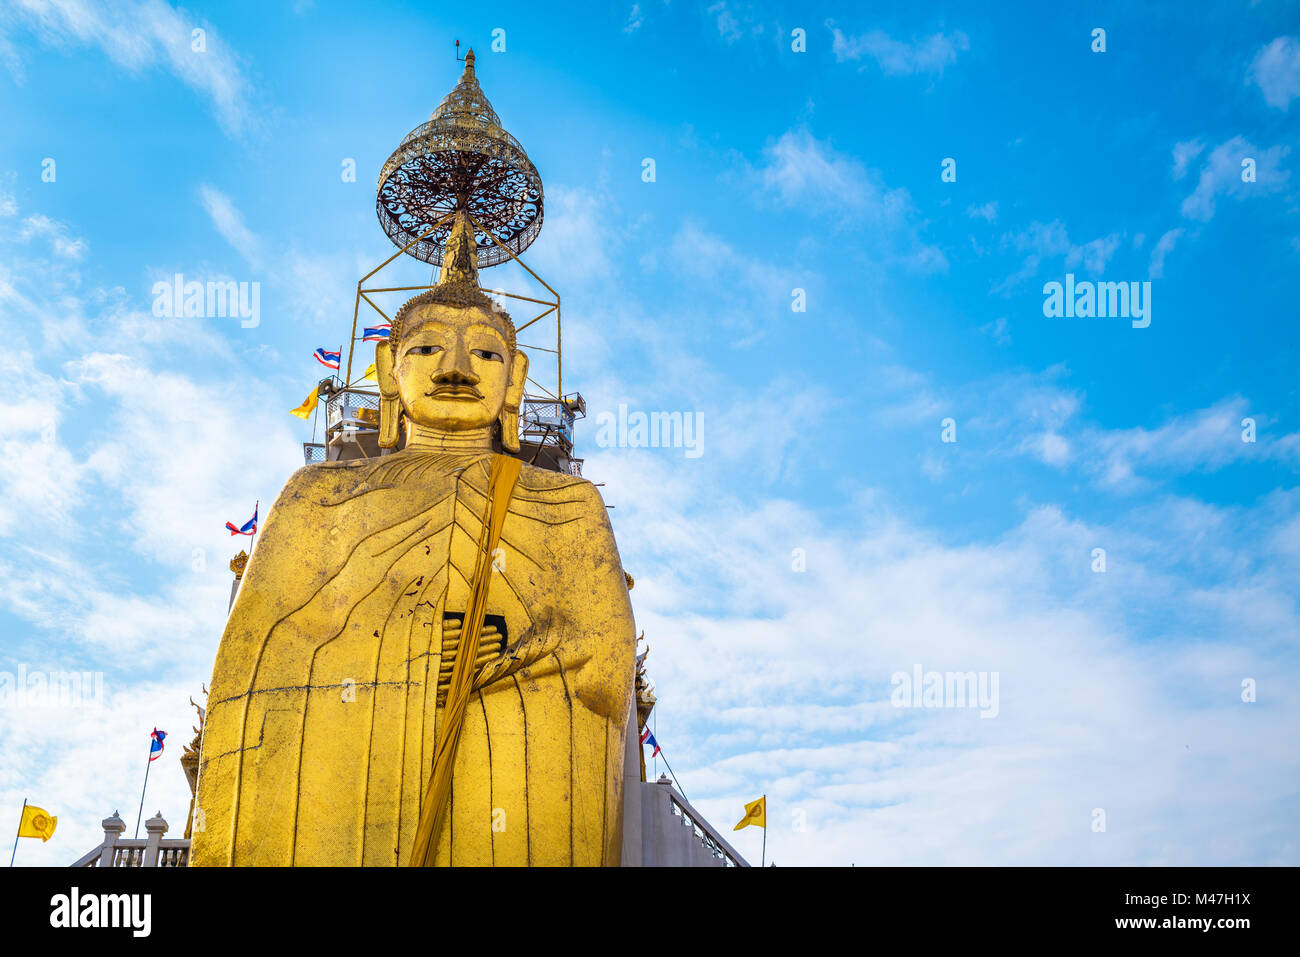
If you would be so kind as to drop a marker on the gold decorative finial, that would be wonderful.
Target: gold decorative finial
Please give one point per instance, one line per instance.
(238, 563)
(460, 260)
(462, 158)
(457, 286)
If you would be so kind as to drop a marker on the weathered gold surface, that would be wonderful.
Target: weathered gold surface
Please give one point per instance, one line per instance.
(324, 712)
(503, 475)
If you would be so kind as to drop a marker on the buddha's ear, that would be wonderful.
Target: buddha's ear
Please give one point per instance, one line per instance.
(384, 370)
(509, 417)
(390, 402)
(518, 376)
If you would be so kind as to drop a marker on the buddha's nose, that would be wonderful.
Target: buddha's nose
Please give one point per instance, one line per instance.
(458, 370)
(454, 376)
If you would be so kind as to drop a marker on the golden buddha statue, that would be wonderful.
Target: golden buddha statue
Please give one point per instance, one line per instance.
(344, 694)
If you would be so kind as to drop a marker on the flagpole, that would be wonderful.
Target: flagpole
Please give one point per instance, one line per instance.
(764, 861)
(680, 789)
(21, 815)
(655, 757)
(140, 812)
(257, 503)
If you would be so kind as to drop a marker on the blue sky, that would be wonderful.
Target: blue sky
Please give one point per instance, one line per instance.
(133, 438)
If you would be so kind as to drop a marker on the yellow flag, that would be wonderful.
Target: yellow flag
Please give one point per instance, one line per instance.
(755, 813)
(309, 403)
(37, 822)
(371, 374)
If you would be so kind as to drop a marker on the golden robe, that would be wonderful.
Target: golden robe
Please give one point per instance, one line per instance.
(323, 710)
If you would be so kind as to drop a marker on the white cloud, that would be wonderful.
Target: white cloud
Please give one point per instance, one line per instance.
(1050, 447)
(1037, 406)
(634, 19)
(230, 224)
(896, 57)
(1042, 240)
(116, 475)
(802, 172)
(1184, 153)
(758, 292)
(777, 450)
(1093, 255)
(137, 36)
(1039, 242)
(1047, 415)
(93, 765)
(1086, 698)
(1165, 245)
(316, 286)
(577, 238)
(729, 27)
(1276, 71)
(921, 405)
(149, 456)
(41, 484)
(998, 330)
(68, 247)
(163, 425)
(1205, 440)
(1222, 175)
(988, 212)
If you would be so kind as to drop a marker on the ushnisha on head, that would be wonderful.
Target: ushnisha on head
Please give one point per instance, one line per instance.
(451, 365)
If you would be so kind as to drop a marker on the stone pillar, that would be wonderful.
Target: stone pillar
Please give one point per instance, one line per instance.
(237, 565)
(156, 828)
(113, 828)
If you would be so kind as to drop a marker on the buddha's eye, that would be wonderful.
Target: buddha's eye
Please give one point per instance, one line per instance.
(423, 350)
(487, 354)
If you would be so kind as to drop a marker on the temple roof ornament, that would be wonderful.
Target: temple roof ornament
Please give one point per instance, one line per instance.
(461, 160)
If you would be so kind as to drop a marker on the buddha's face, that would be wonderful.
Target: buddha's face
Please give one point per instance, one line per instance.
(452, 368)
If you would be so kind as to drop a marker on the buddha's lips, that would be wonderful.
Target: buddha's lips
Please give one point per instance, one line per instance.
(455, 392)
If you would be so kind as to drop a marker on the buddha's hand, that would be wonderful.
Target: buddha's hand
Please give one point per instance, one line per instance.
(532, 653)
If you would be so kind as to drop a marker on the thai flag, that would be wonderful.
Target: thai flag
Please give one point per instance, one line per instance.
(248, 528)
(648, 738)
(377, 333)
(329, 360)
(156, 749)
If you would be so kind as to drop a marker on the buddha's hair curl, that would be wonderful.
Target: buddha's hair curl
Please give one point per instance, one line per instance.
(464, 295)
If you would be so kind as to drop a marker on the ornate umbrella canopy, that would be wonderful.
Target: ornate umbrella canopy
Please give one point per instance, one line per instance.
(461, 160)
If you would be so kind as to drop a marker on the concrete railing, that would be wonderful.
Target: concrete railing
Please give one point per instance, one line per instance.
(153, 851)
(660, 828)
(674, 834)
